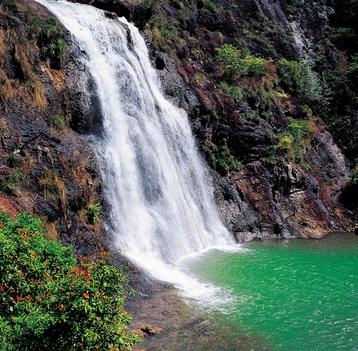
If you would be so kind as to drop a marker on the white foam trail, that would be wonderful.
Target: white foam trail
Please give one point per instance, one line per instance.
(162, 205)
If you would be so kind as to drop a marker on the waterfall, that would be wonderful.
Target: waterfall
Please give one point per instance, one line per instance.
(162, 205)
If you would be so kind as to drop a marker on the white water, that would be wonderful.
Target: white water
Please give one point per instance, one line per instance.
(162, 205)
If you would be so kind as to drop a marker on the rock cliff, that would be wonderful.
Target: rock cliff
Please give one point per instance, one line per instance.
(47, 165)
(257, 80)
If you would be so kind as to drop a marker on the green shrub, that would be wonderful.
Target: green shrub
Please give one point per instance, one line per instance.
(210, 5)
(51, 40)
(343, 33)
(300, 80)
(285, 142)
(94, 212)
(59, 122)
(164, 31)
(293, 141)
(237, 93)
(255, 66)
(353, 180)
(220, 158)
(10, 182)
(49, 302)
(307, 111)
(55, 35)
(230, 57)
(353, 65)
(292, 6)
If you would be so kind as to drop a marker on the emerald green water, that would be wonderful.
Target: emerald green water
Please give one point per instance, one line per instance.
(298, 295)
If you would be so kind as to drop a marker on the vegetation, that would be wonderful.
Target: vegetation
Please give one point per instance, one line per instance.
(10, 182)
(8, 4)
(52, 42)
(236, 92)
(59, 122)
(48, 301)
(354, 176)
(238, 65)
(350, 193)
(94, 212)
(53, 188)
(292, 143)
(300, 80)
(292, 6)
(220, 158)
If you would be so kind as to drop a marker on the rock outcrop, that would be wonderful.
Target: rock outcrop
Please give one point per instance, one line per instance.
(284, 197)
(47, 164)
(49, 113)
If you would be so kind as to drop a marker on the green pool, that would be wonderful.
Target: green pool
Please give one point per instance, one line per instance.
(298, 295)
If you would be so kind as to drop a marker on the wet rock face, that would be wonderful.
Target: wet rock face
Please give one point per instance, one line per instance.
(256, 204)
(138, 11)
(47, 167)
(173, 85)
(86, 116)
(121, 7)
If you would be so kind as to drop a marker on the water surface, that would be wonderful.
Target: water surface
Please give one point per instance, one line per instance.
(296, 295)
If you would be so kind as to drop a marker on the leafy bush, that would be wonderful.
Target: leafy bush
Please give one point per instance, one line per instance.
(10, 182)
(220, 158)
(55, 35)
(59, 122)
(353, 65)
(51, 40)
(255, 66)
(94, 212)
(237, 93)
(292, 6)
(299, 79)
(354, 175)
(49, 302)
(230, 56)
(210, 5)
(164, 32)
(293, 141)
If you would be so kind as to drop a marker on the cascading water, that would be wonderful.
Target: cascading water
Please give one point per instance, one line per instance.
(162, 205)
